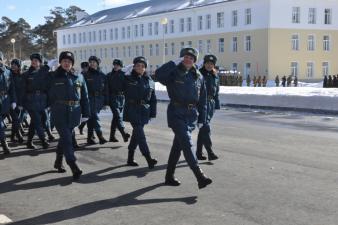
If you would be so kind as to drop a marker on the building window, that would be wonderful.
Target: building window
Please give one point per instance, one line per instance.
(105, 53)
(310, 69)
(166, 49)
(295, 14)
(220, 20)
(84, 37)
(135, 30)
(189, 44)
(234, 18)
(182, 25)
(234, 66)
(200, 46)
(165, 27)
(173, 49)
(151, 50)
(95, 52)
(101, 53)
(199, 23)
(85, 54)
(142, 50)
(123, 33)
(312, 16)
(248, 43)
(234, 44)
(112, 52)
(247, 16)
(189, 24)
(111, 34)
(74, 38)
(104, 35)
(295, 42)
(208, 22)
(327, 16)
(69, 39)
(247, 69)
(172, 26)
(208, 46)
(221, 45)
(325, 69)
(90, 36)
(311, 43)
(156, 28)
(80, 38)
(90, 52)
(81, 55)
(326, 43)
(117, 52)
(124, 52)
(137, 51)
(141, 30)
(116, 33)
(182, 44)
(94, 36)
(129, 52)
(294, 68)
(128, 32)
(150, 29)
(157, 49)
(100, 35)
(64, 39)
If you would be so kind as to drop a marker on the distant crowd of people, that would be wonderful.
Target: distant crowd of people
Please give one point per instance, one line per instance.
(330, 81)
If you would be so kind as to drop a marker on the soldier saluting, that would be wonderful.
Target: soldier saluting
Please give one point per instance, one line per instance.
(68, 98)
(186, 90)
(211, 80)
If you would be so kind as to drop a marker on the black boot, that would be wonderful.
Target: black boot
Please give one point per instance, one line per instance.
(90, 138)
(30, 144)
(170, 179)
(45, 144)
(13, 137)
(50, 135)
(202, 180)
(74, 142)
(5, 147)
(101, 138)
(125, 136)
(19, 136)
(75, 170)
(151, 162)
(199, 153)
(112, 137)
(212, 156)
(58, 164)
(131, 161)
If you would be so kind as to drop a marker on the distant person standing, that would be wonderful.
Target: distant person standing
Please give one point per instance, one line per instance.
(248, 81)
(277, 81)
(325, 82)
(284, 81)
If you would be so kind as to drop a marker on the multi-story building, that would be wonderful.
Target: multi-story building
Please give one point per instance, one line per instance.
(256, 37)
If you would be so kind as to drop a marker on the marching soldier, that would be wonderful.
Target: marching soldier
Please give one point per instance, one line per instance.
(96, 81)
(277, 81)
(186, 90)
(248, 80)
(17, 113)
(211, 80)
(255, 81)
(325, 82)
(264, 81)
(295, 81)
(259, 81)
(35, 99)
(116, 100)
(7, 100)
(140, 108)
(289, 81)
(84, 71)
(283, 81)
(68, 98)
(240, 80)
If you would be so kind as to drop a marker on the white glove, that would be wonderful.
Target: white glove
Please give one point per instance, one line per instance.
(84, 119)
(177, 61)
(127, 69)
(13, 105)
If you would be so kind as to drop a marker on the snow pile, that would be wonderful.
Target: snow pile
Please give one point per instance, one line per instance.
(311, 98)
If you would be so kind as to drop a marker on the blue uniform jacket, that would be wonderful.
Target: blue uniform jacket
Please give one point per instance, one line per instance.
(141, 99)
(184, 88)
(114, 89)
(35, 89)
(68, 97)
(7, 91)
(212, 87)
(18, 81)
(96, 81)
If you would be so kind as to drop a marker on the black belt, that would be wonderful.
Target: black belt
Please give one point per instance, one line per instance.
(137, 102)
(189, 106)
(69, 103)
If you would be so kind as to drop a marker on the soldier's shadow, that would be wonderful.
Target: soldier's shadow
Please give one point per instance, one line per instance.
(88, 178)
(129, 199)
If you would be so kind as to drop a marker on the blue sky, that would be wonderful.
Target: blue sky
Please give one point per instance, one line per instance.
(34, 11)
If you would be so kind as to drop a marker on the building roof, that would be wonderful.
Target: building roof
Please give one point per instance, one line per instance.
(147, 8)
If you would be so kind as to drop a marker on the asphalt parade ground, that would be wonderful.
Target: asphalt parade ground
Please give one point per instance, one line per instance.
(275, 168)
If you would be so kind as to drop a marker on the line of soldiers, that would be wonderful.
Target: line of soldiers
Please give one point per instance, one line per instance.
(64, 100)
(256, 81)
(286, 82)
(330, 81)
(231, 80)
